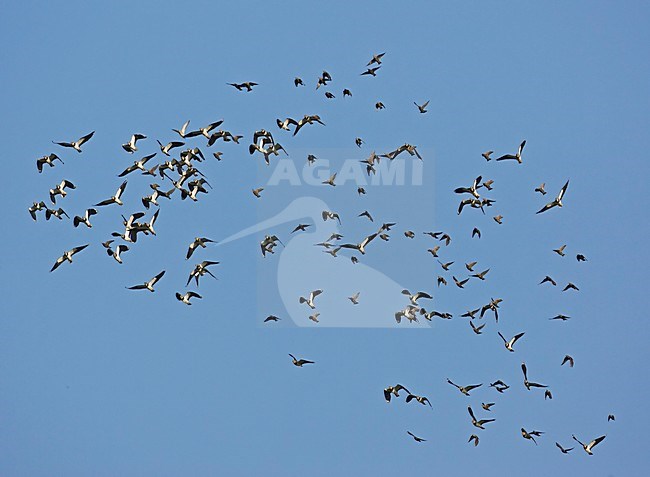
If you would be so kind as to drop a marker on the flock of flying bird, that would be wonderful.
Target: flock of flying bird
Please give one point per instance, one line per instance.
(187, 181)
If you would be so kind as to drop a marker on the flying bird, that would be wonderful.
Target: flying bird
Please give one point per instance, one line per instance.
(183, 129)
(517, 156)
(394, 391)
(371, 71)
(331, 180)
(197, 242)
(310, 300)
(568, 359)
(36, 207)
(67, 256)
(557, 202)
(299, 362)
(149, 284)
(365, 213)
(169, 146)
(130, 146)
(376, 59)
(76, 145)
(116, 254)
(476, 329)
(414, 297)
(415, 438)
(200, 270)
(137, 165)
(85, 219)
(422, 108)
(562, 449)
(58, 213)
(548, 279)
(49, 160)
(510, 343)
(499, 386)
(570, 286)
(116, 198)
(421, 399)
(527, 383)
(560, 317)
(476, 422)
(527, 435)
(248, 86)
(361, 246)
(481, 275)
(60, 189)
(187, 297)
(464, 389)
(301, 227)
(591, 445)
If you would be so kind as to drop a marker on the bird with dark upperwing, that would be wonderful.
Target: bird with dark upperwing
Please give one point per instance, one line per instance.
(557, 202)
(300, 362)
(76, 145)
(516, 157)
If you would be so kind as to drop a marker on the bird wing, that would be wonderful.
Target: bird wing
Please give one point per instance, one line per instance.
(399, 387)
(63, 144)
(85, 138)
(525, 371)
(521, 147)
(120, 190)
(190, 250)
(595, 442)
(128, 170)
(562, 191)
(516, 337)
(137, 287)
(58, 262)
(453, 384)
(550, 205)
(155, 279)
(78, 249)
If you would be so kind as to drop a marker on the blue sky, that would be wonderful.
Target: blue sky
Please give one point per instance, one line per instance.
(98, 380)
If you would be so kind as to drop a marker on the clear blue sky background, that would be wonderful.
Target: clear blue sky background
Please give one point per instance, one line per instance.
(96, 380)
